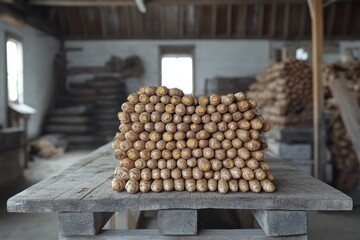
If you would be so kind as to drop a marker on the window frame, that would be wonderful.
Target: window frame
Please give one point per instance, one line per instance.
(178, 50)
(9, 36)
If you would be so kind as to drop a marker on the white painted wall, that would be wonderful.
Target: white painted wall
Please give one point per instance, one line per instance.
(348, 44)
(39, 51)
(228, 58)
(328, 57)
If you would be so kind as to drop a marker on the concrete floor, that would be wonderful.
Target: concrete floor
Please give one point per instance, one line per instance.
(322, 225)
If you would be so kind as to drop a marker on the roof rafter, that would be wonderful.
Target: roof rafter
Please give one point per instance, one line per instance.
(88, 3)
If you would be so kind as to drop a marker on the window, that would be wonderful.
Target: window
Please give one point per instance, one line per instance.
(177, 67)
(14, 64)
(302, 54)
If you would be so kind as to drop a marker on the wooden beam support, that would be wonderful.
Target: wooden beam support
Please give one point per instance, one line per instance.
(329, 2)
(273, 19)
(197, 22)
(115, 20)
(331, 20)
(244, 17)
(287, 21)
(128, 22)
(317, 29)
(303, 20)
(349, 109)
(214, 20)
(102, 22)
(83, 22)
(26, 14)
(261, 19)
(229, 20)
(346, 19)
(94, 3)
(162, 21)
(181, 20)
(83, 224)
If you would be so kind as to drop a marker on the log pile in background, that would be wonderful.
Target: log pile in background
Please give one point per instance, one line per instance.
(345, 161)
(284, 93)
(171, 141)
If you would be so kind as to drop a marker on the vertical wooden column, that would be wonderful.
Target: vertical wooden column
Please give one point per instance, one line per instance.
(317, 32)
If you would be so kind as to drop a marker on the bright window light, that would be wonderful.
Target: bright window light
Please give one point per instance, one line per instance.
(177, 71)
(14, 70)
(301, 54)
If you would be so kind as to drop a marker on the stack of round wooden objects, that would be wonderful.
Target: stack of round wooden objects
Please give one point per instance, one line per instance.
(171, 141)
(284, 93)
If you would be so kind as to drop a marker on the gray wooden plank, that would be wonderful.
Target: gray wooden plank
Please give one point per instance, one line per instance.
(164, 200)
(77, 190)
(147, 234)
(70, 180)
(291, 134)
(44, 190)
(104, 197)
(349, 109)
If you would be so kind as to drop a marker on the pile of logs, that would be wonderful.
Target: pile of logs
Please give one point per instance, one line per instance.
(345, 160)
(284, 93)
(171, 141)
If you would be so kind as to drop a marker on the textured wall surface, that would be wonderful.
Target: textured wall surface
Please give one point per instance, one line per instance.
(39, 51)
(228, 58)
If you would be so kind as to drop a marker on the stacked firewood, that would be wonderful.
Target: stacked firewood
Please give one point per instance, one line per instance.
(346, 163)
(284, 93)
(171, 141)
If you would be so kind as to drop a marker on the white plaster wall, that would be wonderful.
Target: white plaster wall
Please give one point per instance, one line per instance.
(328, 57)
(348, 44)
(39, 51)
(229, 58)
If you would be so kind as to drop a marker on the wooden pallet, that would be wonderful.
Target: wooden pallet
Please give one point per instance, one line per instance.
(83, 198)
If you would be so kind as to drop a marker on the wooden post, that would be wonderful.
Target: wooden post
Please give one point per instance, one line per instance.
(317, 32)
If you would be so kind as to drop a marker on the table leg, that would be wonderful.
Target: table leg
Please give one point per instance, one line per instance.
(282, 223)
(77, 224)
(177, 222)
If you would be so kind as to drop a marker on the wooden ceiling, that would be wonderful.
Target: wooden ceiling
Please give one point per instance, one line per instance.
(188, 19)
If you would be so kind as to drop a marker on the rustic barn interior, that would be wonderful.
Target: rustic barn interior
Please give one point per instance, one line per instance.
(67, 68)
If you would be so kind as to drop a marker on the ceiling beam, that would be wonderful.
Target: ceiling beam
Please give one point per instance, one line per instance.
(287, 21)
(331, 20)
(273, 20)
(244, 20)
(346, 19)
(329, 2)
(304, 10)
(26, 14)
(229, 19)
(261, 19)
(93, 3)
(214, 20)
(103, 24)
(181, 22)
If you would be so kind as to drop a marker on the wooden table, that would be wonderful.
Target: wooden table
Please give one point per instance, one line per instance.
(82, 197)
